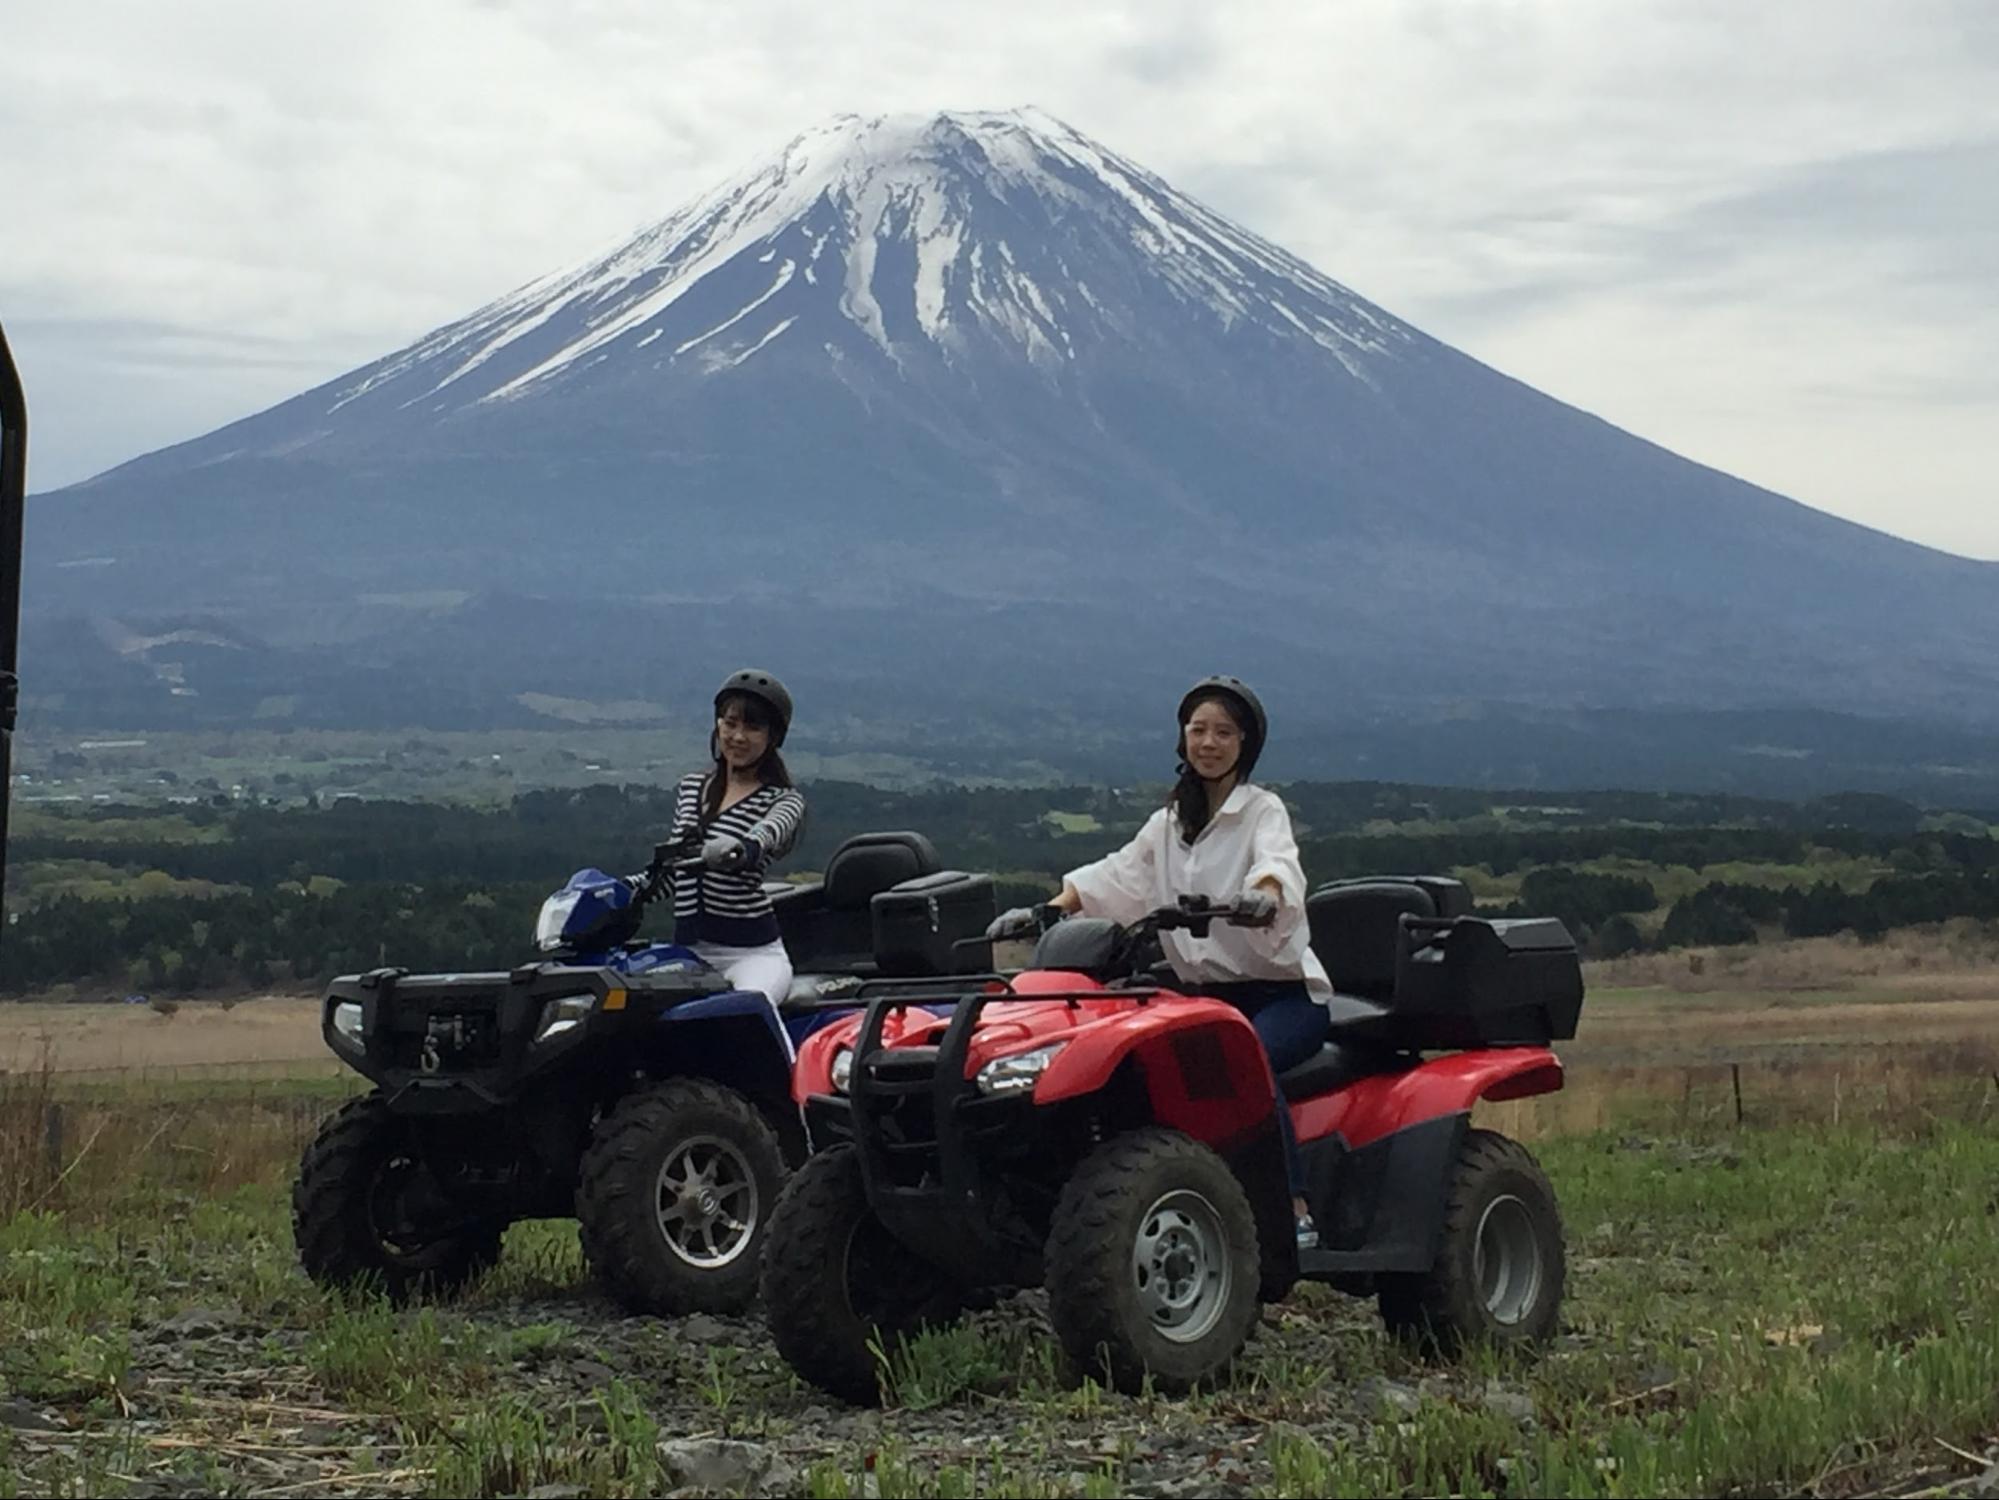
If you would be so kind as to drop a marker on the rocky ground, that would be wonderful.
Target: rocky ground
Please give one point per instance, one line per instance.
(216, 1399)
(1783, 1312)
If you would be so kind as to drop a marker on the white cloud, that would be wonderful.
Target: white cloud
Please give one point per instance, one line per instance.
(1757, 234)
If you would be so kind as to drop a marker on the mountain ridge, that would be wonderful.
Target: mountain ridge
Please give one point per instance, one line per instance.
(911, 373)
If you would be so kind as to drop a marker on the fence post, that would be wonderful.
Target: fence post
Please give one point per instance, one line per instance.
(1735, 1072)
(52, 1137)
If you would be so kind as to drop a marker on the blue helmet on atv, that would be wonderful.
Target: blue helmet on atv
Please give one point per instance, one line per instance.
(593, 910)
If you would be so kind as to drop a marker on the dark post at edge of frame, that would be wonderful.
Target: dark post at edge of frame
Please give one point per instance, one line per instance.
(13, 491)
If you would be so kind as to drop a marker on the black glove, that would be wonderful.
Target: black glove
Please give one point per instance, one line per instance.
(1255, 907)
(724, 851)
(1020, 922)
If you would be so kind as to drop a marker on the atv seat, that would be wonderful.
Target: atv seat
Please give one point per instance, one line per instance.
(1335, 1065)
(811, 992)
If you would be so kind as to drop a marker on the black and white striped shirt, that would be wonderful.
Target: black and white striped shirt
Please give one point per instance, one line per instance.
(730, 907)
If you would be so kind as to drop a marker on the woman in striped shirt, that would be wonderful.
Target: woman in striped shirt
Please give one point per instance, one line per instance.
(749, 815)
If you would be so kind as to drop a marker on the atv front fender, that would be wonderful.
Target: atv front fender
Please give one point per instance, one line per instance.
(1204, 1068)
(734, 1038)
(1372, 1107)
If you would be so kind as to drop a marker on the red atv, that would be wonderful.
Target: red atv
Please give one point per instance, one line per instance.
(1086, 1126)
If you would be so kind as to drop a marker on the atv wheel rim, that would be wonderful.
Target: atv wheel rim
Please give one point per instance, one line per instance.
(400, 1239)
(707, 1202)
(1180, 1266)
(1506, 1261)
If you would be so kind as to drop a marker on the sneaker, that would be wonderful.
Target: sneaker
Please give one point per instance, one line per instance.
(1308, 1233)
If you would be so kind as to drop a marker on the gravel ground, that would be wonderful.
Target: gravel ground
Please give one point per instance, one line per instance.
(217, 1399)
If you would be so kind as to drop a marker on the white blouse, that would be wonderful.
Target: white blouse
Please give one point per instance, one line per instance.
(1249, 838)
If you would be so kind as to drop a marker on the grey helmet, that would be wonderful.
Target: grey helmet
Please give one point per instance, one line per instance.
(765, 688)
(1241, 691)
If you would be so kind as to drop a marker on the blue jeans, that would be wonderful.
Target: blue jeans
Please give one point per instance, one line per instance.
(1292, 1027)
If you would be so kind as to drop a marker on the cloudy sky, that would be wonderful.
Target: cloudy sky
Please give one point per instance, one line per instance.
(1765, 235)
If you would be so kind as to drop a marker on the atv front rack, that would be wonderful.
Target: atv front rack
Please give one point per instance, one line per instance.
(952, 987)
(926, 1133)
(916, 1120)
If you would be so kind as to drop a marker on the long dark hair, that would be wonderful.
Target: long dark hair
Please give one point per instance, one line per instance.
(771, 770)
(1189, 797)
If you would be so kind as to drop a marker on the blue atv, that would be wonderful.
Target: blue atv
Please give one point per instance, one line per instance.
(614, 1079)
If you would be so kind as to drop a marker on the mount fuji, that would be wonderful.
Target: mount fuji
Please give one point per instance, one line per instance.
(967, 417)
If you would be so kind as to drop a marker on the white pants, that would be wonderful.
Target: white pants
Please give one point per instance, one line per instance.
(767, 968)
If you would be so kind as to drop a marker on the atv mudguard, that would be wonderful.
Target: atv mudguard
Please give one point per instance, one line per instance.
(1370, 1108)
(1203, 1066)
(734, 1038)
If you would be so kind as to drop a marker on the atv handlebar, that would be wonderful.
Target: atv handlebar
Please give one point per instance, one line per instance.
(1193, 914)
(1196, 913)
(680, 856)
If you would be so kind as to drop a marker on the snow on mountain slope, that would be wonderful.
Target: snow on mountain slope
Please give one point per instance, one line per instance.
(1010, 227)
(911, 374)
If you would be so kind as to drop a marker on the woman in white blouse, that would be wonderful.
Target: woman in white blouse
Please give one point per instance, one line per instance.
(1221, 837)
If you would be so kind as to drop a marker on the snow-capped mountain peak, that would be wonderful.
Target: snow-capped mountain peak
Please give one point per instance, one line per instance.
(968, 415)
(919, 235)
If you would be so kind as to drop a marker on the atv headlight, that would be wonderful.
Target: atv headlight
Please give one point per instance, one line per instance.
(843, 1069)
(347, 1021)
(1018, 1073)
(554, 914)
(565, 1014)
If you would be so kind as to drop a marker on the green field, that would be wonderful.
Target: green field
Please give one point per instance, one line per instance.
(1786, 1307)
(482, 767)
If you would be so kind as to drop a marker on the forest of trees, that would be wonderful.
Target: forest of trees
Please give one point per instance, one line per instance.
(290, 897)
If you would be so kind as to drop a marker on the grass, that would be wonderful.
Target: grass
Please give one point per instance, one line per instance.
(1790, 1306)
(1072, 822)
(98, 828)
(1671, 882)
(1958, 950)
(129, 1041)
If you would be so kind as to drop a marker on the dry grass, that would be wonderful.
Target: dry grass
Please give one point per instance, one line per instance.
(1900, 1087)
(196, 1035)
(1961, 952)
(1794, 1304)
(81, 1146)
(211, 1096)
(97, 1101)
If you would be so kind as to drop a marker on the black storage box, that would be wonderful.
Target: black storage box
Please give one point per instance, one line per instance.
(1485, 982)
(826, 924)
(917, 922)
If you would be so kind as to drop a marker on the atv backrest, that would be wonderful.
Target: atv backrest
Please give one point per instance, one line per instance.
(1356, 928)
(869, 863)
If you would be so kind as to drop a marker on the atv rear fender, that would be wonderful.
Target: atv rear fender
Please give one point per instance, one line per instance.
(1372, 1107)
